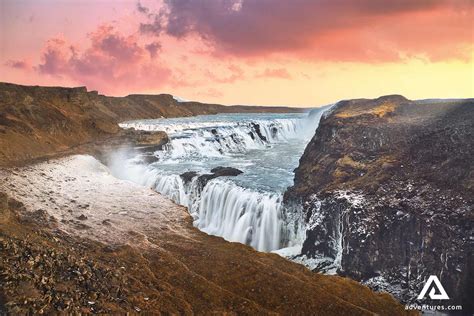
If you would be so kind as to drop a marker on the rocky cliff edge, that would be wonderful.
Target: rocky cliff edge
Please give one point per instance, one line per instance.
(387, 189)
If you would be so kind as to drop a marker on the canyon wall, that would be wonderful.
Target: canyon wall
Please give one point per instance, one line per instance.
(387, 189)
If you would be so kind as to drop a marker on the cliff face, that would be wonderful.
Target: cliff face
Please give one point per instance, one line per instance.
(387, 189)
(37, 121)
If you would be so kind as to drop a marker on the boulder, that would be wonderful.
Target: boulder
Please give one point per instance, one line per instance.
(226, 171)
(215, 173)
(155, 139)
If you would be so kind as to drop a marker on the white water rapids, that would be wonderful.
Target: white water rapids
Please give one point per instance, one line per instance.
(246, 208)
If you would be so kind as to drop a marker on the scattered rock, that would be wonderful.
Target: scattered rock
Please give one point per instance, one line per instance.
(149, 158)
(81, 226)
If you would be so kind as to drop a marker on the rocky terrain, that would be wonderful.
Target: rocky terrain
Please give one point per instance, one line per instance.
(387, 188)
(38, 121)
(75, 239)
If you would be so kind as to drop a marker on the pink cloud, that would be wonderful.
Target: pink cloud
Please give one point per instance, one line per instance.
(153, 48)
(229, 74)
(281, 73)
(18, 64)
(55, 57)
(141, 8)
(342, 30)
(111, 63)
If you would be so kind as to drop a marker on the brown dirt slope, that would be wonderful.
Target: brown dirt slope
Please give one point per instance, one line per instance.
(44, 270)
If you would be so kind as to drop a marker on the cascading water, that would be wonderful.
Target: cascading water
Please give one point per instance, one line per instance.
(246, 208)
(239, 214)
(172, 186)
(191, 139)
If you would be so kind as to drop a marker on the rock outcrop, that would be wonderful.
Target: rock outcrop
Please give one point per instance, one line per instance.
(149, 139)
(387, 192)
(226, 171)
(216, 172)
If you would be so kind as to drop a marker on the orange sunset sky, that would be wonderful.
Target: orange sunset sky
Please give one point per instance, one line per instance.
(266, 52)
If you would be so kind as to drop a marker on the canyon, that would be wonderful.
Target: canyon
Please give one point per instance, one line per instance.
(381, 195)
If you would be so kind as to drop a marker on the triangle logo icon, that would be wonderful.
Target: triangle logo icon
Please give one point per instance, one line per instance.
(437, 290)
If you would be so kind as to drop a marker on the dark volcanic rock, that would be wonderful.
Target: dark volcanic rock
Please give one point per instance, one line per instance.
(387, 189)
(188, 176)
(226, 171)
(257, 130)
(205, 178)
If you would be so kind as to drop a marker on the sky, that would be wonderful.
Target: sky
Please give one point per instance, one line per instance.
(264, 52)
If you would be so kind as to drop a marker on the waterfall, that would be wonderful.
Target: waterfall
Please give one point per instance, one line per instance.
(220, 208)
(223, 207)
(240, 215)
(203, 139)
(173, 187)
